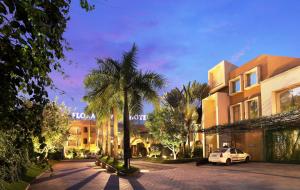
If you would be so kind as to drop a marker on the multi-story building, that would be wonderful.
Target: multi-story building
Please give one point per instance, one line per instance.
(264, 86)
(83, 135)
(86, 136)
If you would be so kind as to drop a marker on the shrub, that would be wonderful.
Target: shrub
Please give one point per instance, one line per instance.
(154, 151)
(13, 160)
(166, 152)
(197, 152)
(143, 152)
(56, 155)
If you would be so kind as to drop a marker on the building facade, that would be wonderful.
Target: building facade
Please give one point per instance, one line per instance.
(83, 135)
(264, 86)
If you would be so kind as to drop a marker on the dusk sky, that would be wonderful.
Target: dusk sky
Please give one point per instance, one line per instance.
(180, 39)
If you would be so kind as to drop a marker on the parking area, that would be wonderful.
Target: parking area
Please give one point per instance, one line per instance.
(83, 175)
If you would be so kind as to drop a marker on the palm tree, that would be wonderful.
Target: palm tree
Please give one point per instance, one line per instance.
(122, 79)
(188, 102)
(193, 94)
(109, 103)
(96, 106)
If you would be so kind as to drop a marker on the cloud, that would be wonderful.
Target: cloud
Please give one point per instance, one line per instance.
(238, 55)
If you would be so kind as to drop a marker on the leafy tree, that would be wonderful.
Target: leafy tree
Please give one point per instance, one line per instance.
(166, 125)
(55, 128)
(31, 46)
(16, 148)
(123, 77)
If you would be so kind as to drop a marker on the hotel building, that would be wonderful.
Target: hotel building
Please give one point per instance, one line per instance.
(264, 86)
(86, 136)
(83, 135)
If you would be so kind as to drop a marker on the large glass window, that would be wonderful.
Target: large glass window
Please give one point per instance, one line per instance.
(236, 86)
(236, 113)
(252, 109)
(290, 100)
(251, 79)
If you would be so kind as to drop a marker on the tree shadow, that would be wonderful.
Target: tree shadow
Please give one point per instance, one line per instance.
(83, 182)
(114, 184)
(136, 185)
(43, 179)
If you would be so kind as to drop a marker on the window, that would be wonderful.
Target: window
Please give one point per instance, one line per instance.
(236, 111)
(85, 141)
(251, 79)
(289, 100)
(232, 151)
(85, 129)
(236, 86)
(221, 150)
(239, 151)
(252, 106)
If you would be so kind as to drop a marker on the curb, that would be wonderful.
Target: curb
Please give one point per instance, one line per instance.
(27, 187)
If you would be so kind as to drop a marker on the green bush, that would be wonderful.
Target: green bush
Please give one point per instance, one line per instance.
(198, 152)
(155, 151)
(57, 155)
(13, 160)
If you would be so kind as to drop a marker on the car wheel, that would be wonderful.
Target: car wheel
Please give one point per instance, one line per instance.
(247, 159)
(228, 162)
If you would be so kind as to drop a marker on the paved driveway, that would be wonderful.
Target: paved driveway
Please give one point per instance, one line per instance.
(83, 175)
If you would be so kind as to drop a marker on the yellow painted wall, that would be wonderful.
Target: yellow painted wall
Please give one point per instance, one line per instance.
(218, 76)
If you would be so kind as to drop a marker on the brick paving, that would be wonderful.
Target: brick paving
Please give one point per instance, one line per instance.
(84, 175)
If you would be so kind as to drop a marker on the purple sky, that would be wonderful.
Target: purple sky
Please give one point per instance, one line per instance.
(179, 39)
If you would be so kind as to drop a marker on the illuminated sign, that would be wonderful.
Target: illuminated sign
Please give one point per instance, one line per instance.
(83, 116)
(138, 117)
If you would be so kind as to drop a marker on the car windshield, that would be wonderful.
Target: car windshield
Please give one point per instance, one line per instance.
(221, 150)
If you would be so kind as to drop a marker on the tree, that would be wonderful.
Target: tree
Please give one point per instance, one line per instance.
(188, 100)
(31, 46)
(166, 125)
(193, 94)
(110, 102)
(101, 108)
(55, 128)
(132, 85)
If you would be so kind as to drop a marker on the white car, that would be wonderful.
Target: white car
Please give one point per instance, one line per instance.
(228, 155)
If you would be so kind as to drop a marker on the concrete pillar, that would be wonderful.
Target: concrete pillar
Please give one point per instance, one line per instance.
(203, 145)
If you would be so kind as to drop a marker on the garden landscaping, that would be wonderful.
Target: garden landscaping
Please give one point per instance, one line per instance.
(32, 172)
(115, 166)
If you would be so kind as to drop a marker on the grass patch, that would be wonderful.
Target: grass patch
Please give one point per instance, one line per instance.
(118, 165)
(32, 172)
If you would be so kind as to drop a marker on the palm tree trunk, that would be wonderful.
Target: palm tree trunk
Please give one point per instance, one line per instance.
(183, 148)
(189, 141)
(127, 153)
(108, 135)
(115, 113)
(104, 138)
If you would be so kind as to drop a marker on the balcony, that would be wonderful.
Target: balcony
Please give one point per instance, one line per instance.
(218, 75)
